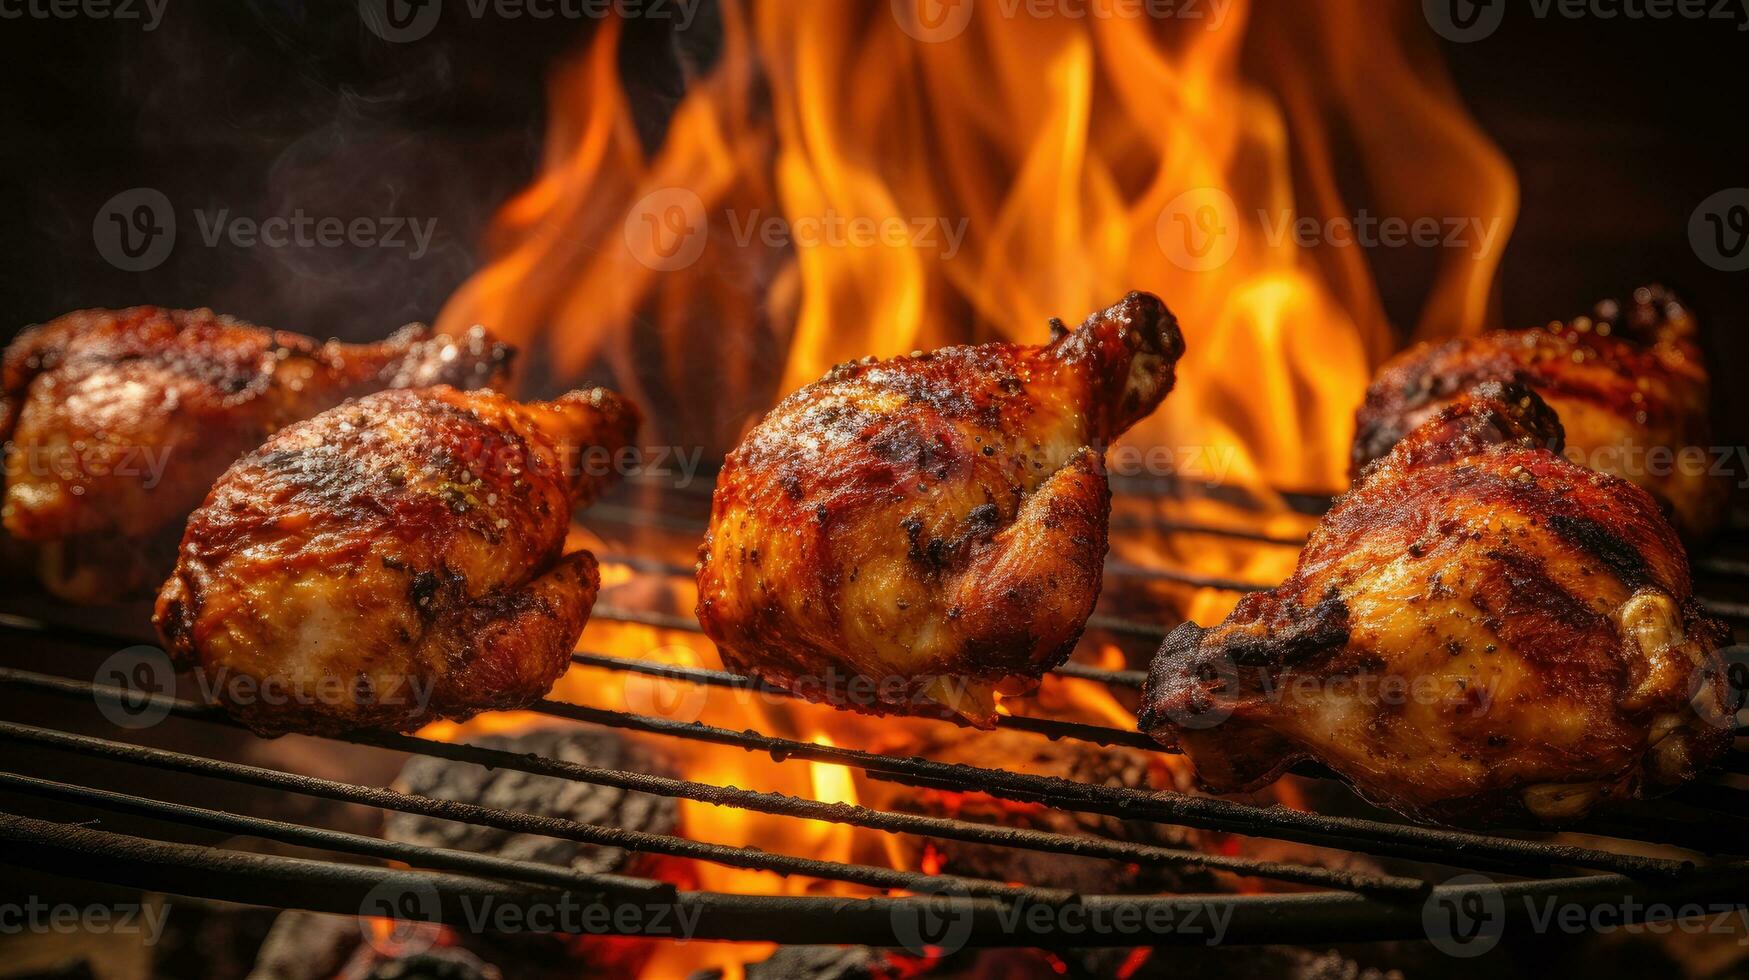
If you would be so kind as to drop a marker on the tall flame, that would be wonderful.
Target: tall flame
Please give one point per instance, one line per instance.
(1019, 168)
(855, 178)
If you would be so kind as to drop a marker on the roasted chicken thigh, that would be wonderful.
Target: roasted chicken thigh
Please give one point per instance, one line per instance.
(118, 421)
(1478, 631)
(1628, 383)
(393, 560)
(930, 528)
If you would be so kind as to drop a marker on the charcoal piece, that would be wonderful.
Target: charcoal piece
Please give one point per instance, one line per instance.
(815, 963)
(438, 963)
(306, 946)
(509, 789)
(1108, 766)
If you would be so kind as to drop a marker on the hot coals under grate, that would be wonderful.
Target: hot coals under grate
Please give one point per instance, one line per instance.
(1654, 857)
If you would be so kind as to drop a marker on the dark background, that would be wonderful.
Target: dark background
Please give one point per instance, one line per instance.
(1617, 129)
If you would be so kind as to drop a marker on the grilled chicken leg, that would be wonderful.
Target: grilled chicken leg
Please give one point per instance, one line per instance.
(393, 560)
(1628, 383)
(118, 422)
(1478, 631)
(930, 528)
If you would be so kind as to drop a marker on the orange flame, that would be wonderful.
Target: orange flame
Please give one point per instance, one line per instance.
(871, 178)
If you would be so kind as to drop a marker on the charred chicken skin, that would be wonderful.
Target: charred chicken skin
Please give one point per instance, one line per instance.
(393, 560)
(930, 528)
(118, 421)
(1629, 385)
(1479, 631)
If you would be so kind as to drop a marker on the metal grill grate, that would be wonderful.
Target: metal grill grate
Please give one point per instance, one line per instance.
(1330, 904)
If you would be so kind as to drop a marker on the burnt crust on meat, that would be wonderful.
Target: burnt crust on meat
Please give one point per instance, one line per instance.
(117, 422)
(394, 560)
(1625, 380)
(927, 528)
(1533, 618)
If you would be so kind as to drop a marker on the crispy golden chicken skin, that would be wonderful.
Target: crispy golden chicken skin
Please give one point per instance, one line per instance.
(933, 527)
(119, 421)
(393, 560)
(1479, 631)
(1629, 385)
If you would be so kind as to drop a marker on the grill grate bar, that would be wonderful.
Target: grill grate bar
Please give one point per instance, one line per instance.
(1050, 728)
(1723, 567)
(686, 624)
(1047, 727)
(1452, 848)
(1113, 566)
(1095, 622)
(287, 882)
(65, 633)
(1114, 678)
(436, 858)
(1349, 833)
(788, 806)
(522, 823)
(1727, 610)
(1169, 525)
(1447, 848)
(1111, 678)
